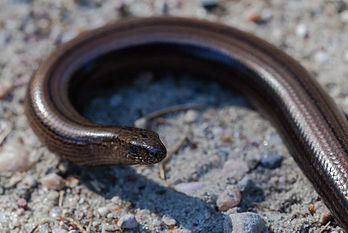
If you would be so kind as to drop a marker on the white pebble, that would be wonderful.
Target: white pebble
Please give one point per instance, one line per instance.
(266, 14)
(55, 212)
(29, 181)
(217, 130)
(116, 200)
(52, 195)
(68, 36)
(59, 230)
(321, 57)
(53, 181)
(168, 220)
(189, 188)
(301, 30)
(140, 123)
(109, 228)
(42, 228)
(344, 16)
(127, 221)
(103, 211)
(191, 116)
(15, 157)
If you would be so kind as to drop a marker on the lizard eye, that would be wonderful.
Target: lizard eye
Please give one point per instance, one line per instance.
(133, 150)
(152, 153)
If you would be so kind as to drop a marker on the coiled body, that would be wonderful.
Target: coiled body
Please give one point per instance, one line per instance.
(309, 122)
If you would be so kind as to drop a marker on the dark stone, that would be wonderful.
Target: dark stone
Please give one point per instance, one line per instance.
(271, 160)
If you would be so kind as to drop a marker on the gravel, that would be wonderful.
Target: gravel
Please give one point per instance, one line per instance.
(224, 129)
(244, 223)
(271, 160)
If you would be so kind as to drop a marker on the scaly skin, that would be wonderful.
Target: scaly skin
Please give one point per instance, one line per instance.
(308, 120)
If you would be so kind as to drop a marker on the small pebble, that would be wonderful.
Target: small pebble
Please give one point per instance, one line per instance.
(209, 4)
(59, 230)
(140, 123)
(271, 160)
(345, 55)
(103, 211)
(63, 166)
(217, 130)
(229, 198)
(42, 228)
(113, 215)
(73, 182)
(189, 188)
(109, 228)
(116, 200)
(52, 195)
(127, 221)
(253, 16)
(259, 16)
(301, 30)
(29, 181)
(53, 181)
(325, 218)
(5, 89)
(168, 220)
(321, 57)
(311, 209)
(22, 203)
(56, 212)
(340, 5)
(235, 168)
(266, 15)
(344, 16)
(247, 222)
(250, 191)
(15, 157)
(191, 116)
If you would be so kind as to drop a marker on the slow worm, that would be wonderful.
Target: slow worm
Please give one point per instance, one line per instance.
(309, 122)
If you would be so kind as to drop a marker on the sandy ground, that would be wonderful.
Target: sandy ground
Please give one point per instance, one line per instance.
(224, 128)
